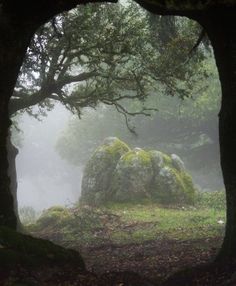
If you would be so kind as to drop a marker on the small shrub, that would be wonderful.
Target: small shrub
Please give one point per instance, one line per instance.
(215, 200)
(52, 217)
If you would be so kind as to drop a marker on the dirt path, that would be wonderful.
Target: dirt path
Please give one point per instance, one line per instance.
(146, 264)
(154, 260)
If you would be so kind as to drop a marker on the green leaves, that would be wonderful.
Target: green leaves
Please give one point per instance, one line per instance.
(122, 48)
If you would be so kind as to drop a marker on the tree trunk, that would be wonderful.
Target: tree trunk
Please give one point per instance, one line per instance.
(221, 31)
(18, 23)
(14, 40)
(7, 215)
(12, 152)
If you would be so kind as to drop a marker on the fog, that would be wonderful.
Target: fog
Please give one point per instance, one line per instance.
(44, 179)
(186, 128)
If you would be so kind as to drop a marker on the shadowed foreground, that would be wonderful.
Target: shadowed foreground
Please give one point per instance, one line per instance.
(31, 261)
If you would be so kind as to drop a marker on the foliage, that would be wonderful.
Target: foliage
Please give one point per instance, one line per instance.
(82, 224)
(186, 127)
(53, 215)
(104, 60)
(214, 200)
(80, 138)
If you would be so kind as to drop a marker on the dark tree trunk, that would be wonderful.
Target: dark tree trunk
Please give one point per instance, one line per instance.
(7, 215)
(18, 23)
(12, 152)
(14, 40)
(221, 30)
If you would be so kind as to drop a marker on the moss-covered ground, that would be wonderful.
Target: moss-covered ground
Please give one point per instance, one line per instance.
(133, 223)
(115, 241)
(147, 222)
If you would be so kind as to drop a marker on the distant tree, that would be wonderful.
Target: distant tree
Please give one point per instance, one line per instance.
(81, 136)
(182, 126)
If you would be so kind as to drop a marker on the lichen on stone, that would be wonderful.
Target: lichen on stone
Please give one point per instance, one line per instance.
(116, 173)
(96, 181)
(177, 162)
(132, 176)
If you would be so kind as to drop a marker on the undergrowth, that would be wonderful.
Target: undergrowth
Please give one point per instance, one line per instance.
(132, 223)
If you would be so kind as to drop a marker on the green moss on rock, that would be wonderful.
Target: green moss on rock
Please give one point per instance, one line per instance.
(133, 175)
(96, 181)
(177, 163)
(55, 215)
(171, 186)
(114, 147)
(136, 156)
(189, 189)
(116, 173)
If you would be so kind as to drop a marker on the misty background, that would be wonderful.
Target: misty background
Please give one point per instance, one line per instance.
(54, 150)
(44, 179)
(179, 91)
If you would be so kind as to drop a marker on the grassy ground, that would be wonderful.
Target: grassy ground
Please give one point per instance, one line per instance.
(129, 223)
(148, 222)
(152, 240)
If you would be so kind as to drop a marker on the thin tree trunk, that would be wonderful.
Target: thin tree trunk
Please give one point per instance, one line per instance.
(12, 152)
(221, 31)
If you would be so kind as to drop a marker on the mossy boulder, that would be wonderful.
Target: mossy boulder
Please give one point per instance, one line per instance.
(55, 215)
(172, 186)
(132, 176)
(116, 173)
(96, 181)
(171, 182)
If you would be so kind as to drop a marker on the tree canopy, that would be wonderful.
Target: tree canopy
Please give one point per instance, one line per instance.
(186, 127)
(105, 60)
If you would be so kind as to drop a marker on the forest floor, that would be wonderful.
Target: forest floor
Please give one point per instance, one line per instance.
(154, 260)
(133, 245)
(140, 244)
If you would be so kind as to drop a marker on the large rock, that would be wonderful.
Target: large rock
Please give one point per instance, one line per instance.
(97, 176)
(116, 173)
(132, 176)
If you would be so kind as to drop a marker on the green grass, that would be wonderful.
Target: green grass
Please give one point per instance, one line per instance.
(152, 222)
(134, 223)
